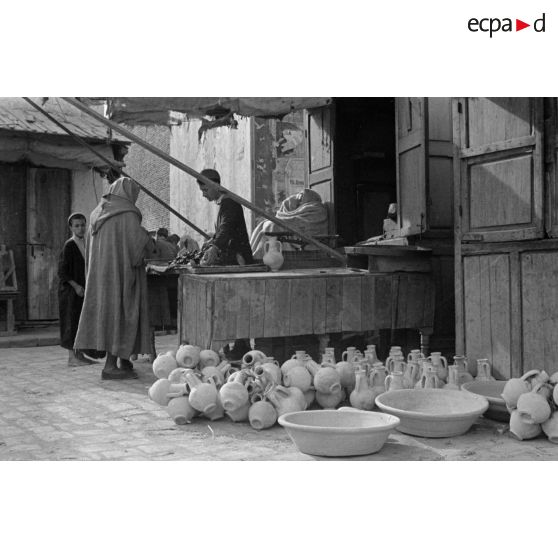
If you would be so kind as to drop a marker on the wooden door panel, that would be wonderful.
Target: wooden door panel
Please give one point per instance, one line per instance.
(48, 207)
(539, 313)
(488, 119)
(411, 163)
(487, 288)
(501, 175)
(492, 203)
(319, 130)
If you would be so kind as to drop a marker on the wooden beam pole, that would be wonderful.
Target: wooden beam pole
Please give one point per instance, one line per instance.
(185, 168)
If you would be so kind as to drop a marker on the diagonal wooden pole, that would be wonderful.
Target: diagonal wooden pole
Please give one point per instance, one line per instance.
(115, 167)
(176, 163)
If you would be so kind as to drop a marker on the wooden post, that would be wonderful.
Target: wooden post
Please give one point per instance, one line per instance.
(176, 163)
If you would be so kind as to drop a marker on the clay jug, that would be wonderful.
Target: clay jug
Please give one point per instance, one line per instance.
(285, 400)
(311, 365)
(234, 394)
(273, 255)
(293, 361)
(164, 364)
(188, 356)
(429, 378)
(414, 355)
(453, 378)
(523, 430)
(362, 397)
(270, 369)
(251, 358)
(180, 410)
(377, 376)
(462, 363)
(328, 356)
(217, 412)
(327, 380)
(178, 375)
(215, 373)
(394, 352)
(533, 408)
(262, 414)
(483, 370)
(239, 414)
(158, 392)
(513, 388)
(395, 361)
(209, 358)
(394, 381)
(297, 376)
(370, 355)
(440, 365)
(550, 428)
(329, 400)
(203, 396)
(412, 374)
(555, 394)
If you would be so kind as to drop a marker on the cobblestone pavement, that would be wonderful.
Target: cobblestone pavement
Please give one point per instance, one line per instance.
(51, 412)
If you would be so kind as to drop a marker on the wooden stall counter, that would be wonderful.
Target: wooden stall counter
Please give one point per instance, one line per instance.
(216, 309)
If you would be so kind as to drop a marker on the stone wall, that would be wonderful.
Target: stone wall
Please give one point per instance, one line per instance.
(152, 172)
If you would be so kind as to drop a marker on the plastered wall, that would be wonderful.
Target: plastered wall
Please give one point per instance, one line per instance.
(228, 151)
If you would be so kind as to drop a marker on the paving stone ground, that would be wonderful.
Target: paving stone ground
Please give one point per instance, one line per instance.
(51, 412)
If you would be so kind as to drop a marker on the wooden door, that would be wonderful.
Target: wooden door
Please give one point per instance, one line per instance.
(12, 225)
(319, 129)
(501, 170)
(411, 124)
(48, 208)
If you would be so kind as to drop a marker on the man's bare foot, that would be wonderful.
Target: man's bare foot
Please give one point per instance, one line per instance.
(73, 361)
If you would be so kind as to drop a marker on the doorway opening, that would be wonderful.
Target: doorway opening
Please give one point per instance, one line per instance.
(365, 168)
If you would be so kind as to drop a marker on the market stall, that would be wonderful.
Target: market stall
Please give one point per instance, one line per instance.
(217, 308)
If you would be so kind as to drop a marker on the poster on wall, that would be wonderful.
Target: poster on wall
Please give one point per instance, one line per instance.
(279, 155)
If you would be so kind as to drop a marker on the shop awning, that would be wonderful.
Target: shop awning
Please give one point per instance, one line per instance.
(157, 110)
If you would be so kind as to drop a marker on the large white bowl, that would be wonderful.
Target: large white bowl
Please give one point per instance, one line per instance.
(492, 390)
(336, 433)
(433, 413)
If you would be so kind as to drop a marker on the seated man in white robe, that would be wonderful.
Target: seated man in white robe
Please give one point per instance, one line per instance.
(303, 211)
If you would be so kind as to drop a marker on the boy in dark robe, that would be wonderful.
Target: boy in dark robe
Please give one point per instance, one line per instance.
(71, 273)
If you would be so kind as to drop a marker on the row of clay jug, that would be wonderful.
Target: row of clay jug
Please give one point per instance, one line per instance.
(532, 401)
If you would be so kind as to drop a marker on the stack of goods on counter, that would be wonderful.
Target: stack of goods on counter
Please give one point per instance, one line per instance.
(193, 382)
(532, 401)
(192, 257)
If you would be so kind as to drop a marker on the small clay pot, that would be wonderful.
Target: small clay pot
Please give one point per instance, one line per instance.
(164, 364)
(327, 380)
(188, 356)
(550, 428)
(533, 408)
(262, 414)
(180, 410)
(297, 376)
(522, 430)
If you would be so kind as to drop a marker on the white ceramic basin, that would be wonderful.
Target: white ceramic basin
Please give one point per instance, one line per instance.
(492, 390)
(336, 433)
(433, 413)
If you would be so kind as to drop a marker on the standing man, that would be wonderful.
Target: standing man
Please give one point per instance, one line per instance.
(229, 245)
(71, 273)
(115, 314)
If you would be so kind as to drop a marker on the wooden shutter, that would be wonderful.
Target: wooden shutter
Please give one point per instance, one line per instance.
(411, 163)
(501, 182)
(319, 128)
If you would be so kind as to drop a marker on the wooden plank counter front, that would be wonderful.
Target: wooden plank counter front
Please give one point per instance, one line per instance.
(217, 309)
